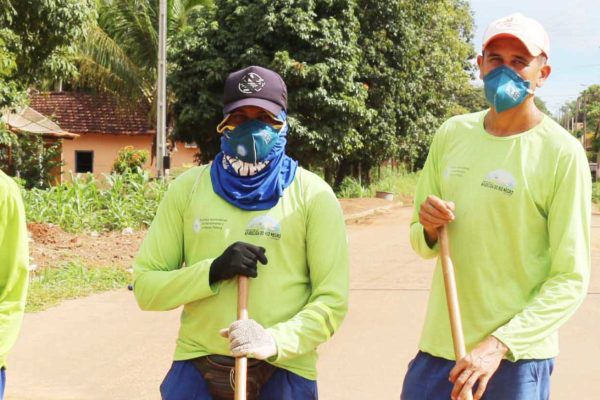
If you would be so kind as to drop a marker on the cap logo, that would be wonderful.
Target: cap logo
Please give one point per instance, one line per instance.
(506, 22)
(251, 83)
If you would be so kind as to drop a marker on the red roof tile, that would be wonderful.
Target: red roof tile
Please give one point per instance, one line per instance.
(92, 113)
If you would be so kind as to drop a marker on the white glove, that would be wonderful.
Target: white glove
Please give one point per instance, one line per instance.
(247, 337)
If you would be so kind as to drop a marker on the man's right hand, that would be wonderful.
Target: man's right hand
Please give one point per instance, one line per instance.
(433, 214)
(238, 259)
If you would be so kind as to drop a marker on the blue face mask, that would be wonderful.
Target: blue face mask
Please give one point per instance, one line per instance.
(505, 89)
(251, 141)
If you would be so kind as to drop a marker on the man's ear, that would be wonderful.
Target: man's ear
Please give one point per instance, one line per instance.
(479, 64)
(543, 75)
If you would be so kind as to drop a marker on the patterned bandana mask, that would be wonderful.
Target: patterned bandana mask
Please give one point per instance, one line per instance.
(243, 168)
(253, 185)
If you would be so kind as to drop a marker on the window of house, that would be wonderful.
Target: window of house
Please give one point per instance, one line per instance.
(84, 161)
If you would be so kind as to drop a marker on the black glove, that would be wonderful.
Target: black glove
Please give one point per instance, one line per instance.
(238, 259)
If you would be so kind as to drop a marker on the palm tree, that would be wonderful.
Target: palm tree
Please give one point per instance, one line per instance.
(119, 52)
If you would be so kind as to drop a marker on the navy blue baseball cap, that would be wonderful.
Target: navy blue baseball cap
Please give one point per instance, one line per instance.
(255, 86)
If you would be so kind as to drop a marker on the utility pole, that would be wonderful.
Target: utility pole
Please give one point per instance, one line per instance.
(161, 93)
(584, 124)
(577, 113)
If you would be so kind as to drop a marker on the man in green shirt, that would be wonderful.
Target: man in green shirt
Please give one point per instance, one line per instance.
(514, 189)
(14, 259)
(252, 212)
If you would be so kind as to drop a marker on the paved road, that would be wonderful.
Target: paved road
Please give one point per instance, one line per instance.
(103, 347)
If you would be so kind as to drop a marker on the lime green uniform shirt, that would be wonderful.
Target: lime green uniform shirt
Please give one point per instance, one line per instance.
(14, 260)
(520, 242)
(300, 296)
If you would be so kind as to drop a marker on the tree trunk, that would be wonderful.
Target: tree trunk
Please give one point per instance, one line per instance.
(344, 169)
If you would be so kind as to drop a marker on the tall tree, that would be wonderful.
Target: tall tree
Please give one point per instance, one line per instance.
(590, 101)
(437, 68)
(32, 35)
(416, 65)
(312, 44)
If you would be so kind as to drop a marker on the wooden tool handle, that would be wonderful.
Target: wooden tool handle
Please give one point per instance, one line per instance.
(452, 297)
(241, 363)
(242, 307)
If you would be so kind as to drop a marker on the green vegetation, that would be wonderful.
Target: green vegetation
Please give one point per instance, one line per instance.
(596, 192)
(50, 286)
(368, 80)
(90, 204)
(400, 183)
(37, 43)
(585, 110)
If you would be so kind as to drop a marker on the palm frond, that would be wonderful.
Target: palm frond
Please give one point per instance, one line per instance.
(100, 53)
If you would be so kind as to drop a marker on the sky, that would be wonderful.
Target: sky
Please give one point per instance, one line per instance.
(574, 30)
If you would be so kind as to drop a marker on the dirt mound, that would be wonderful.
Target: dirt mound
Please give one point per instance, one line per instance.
(50, 246)
(46, 233)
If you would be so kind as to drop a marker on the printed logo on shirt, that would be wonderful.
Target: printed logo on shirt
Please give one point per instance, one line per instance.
(456, 171)
(500, 180)
(197, 225)
(208, 223)
(264, 226)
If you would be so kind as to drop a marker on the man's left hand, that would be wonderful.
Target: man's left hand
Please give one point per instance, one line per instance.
(248, 337)
(479, 365)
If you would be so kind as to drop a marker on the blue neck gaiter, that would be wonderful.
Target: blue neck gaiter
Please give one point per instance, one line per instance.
(262, 190)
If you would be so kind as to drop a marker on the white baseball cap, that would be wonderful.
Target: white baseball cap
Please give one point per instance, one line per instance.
(529, 31)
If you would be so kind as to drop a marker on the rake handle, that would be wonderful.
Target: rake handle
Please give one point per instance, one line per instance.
(452, 297)
(241, 363)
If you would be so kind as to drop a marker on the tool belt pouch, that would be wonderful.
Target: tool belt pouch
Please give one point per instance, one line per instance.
(219, 374)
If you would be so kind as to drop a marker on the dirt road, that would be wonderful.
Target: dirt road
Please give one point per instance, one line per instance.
(103, 347)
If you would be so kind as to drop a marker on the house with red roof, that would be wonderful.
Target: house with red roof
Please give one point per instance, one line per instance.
(104, 125)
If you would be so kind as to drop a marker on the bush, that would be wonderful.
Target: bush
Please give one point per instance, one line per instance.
(29, 157)
(350, 187)
(130, 160)
(596, 192)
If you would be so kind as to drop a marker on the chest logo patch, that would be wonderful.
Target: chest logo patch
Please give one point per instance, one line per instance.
(264, 226)
(500, 180)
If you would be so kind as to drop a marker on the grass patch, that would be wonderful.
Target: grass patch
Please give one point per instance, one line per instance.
(50, 286)
(399, 182)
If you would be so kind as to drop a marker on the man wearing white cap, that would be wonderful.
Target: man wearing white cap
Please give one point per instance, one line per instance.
(514, 189)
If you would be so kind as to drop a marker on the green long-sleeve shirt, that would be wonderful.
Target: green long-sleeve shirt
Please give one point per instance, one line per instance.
(520, 242)
(300, 296)
(14, 260)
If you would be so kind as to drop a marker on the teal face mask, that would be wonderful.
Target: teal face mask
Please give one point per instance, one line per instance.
(505, 89)
(251, 141)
